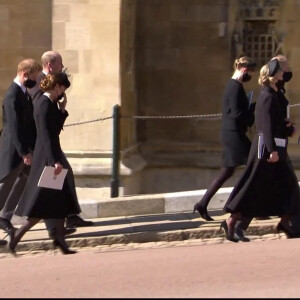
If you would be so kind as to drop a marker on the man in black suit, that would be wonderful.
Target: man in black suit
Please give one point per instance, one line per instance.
(17, 141)
(52, 63)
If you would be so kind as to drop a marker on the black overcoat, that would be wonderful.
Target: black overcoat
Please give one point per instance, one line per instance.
(267, 189)
(237, 116)
(18, 133)
(36, 91)
(43, 203)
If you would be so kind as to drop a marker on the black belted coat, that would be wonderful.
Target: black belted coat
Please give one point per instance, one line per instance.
(38, 202)
(267, 189)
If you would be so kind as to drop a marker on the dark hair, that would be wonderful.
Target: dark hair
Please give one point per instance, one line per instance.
(49, 82)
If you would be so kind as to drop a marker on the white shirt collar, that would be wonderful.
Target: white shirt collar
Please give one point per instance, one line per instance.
(17, 81)
(48, 96)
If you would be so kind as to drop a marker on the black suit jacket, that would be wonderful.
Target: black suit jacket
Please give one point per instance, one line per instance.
(36, 91)
(19, 132)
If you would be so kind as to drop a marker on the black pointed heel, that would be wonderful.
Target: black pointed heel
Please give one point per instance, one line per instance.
(228, 237)
(62, 248)
(12, 248)
(11, 235)
(238, 234)
(203, 212)
(288, 231)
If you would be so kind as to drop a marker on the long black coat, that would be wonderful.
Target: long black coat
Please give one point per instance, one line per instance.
(36, 91)
(40, 202)
(267, 189)
(18, 133)
(236, 118)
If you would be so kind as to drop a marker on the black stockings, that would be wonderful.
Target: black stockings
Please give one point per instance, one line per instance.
(226, 172)
(30, 222)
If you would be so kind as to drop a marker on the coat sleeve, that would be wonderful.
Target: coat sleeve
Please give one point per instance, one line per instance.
(63, 116)
(268, 121)
(238, 103)
(14, 115)
(44, 122)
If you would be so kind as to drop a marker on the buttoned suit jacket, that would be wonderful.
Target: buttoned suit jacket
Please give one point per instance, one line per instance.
(19, 133)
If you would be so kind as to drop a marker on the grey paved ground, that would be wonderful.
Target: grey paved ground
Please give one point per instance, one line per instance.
(263, 268)
(133, 232)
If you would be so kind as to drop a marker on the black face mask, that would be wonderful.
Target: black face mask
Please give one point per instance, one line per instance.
(280, 85)
(246, 77)
(60, 97)
(287, 76)
(29, 83)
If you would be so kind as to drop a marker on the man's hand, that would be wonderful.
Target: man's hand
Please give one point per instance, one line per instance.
(273, 157)
(27, 159)
(289, 124)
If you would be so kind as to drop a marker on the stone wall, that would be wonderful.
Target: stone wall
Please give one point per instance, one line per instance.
(86, 33)
(183, 53)
(153, 58)
(25, 31)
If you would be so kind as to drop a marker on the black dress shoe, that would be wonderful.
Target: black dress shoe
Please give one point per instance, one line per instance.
(10, 230)
(76, 221)
(238, 234)
(3, 242)
(5, 224)
(69, 231)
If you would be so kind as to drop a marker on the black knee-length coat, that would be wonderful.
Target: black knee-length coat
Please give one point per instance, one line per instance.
(38, 202)
(267, 189)
(237, 116)
(18, 134)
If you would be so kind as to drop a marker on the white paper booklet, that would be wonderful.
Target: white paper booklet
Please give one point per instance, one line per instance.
(250, 97)
(280, 142)
(261, 144)
(51, 181)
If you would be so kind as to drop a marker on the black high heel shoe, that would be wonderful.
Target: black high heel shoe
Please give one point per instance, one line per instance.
(203, 212)
(229, 237)
(62, 248)
(11, 235)
(11, 249)
(288, 231)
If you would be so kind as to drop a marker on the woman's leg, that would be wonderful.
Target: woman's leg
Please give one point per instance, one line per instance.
(30, 222)
(57, 233)
(201, 206)
(228, 226)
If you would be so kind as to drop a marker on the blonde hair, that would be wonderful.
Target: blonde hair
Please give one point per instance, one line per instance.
(29, 66)
(50, 57)
(264, 78)
(244, 61)
(51, 80)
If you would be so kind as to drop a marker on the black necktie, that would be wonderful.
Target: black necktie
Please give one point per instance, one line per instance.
(26, 94)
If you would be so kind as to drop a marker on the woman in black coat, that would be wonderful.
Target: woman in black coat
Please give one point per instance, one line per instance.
(237, 116)
(268, 186)
(44, 203)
